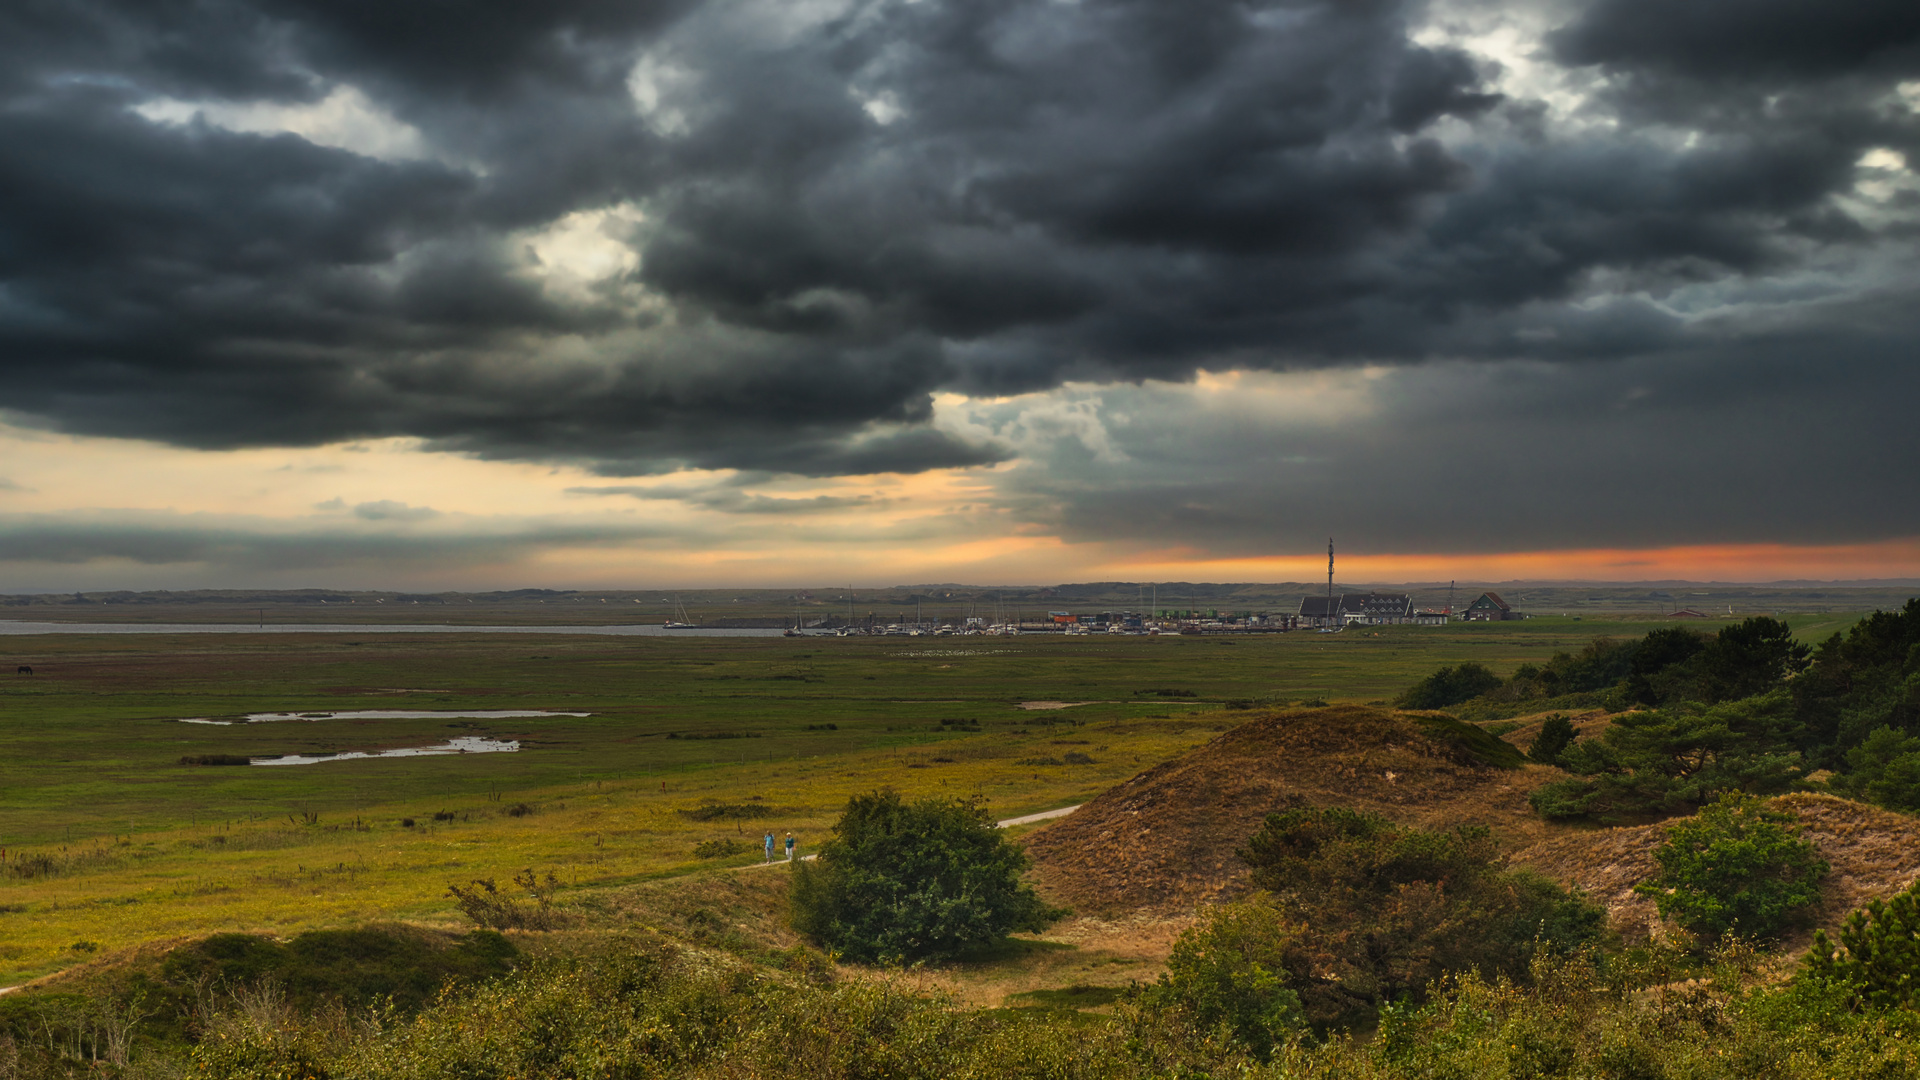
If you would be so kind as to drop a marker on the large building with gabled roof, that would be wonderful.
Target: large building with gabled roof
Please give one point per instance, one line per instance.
(1490, 608)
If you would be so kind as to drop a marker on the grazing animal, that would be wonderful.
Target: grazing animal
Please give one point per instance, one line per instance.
(24, 670)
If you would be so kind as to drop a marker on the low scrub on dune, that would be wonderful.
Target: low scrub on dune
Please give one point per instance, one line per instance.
(647, 1008)
(1357, 912)
(1166, 839)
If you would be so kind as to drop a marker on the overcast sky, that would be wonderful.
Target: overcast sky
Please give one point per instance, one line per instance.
(638, 292)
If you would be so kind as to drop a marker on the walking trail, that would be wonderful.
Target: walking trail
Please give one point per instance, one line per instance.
(1044, 815)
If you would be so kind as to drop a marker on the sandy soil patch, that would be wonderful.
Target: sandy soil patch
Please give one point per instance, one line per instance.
(1103, 952)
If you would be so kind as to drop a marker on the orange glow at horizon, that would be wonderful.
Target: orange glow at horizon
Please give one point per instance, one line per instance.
(1704, 562)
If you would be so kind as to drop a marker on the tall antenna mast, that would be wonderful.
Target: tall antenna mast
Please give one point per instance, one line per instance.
(1329, 575)
(1450, 597)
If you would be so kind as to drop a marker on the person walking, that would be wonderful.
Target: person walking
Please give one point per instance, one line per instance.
(789, 847)
(769, 847)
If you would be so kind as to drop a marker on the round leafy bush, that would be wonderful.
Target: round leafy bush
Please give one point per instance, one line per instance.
(1230, 970)
(1736, 867)
(900, 882)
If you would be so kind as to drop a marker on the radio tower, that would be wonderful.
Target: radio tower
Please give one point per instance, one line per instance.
(1329, 575)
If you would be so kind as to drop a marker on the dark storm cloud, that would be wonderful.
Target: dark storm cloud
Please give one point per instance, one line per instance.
(241, 545)
(1733, 437)
(845, 211)
(1746, 40)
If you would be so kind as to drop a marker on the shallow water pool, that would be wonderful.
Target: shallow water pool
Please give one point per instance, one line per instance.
(465, 744)
(383, 714)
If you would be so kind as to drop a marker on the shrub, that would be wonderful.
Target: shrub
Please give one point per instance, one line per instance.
(718, 811)
(1450, 686)
(718, 849)
(910, 881)
(489, 908)
(355, 968)
(1879, 956)
(1736, 867)
(1231, 970)
(1556, 734)
(1384, 909)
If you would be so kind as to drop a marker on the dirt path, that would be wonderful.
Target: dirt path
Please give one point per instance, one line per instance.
(1044, 815)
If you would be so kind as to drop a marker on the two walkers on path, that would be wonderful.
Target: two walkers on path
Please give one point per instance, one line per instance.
(770, 847)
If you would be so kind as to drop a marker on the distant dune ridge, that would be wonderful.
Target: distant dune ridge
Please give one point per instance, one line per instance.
(1164, 841)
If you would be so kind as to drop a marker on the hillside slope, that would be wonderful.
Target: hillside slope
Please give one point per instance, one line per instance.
(1165, 840)
(1874, 853)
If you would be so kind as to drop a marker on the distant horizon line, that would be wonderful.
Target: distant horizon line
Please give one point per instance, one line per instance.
(1663, 583)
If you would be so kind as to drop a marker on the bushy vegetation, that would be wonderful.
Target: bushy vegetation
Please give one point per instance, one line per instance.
(905, 881)
(1878, 961)
(161, 1008)
(354, 968)
(1555, 735)
(1671, 761)
(1746, 709)
(1736, 867)
(1450, 686)
(1364, 912)
(641, 1006)
(1231, 972)
(492, 908)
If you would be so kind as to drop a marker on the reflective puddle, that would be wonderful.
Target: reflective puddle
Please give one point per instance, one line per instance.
(380, 714)
(465, 744)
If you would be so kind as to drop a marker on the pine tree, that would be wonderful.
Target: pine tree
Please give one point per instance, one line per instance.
(1879, 955)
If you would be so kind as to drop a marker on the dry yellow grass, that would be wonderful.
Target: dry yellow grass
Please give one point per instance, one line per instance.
(1164, 841)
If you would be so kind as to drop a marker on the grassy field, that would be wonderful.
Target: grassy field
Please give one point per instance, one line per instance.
(109, 840)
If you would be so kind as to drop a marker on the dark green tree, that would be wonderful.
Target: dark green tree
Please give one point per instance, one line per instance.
(1556, 734)
(1670, 761)
(1598, 666)
(1450, 686)
(900, 882)
(1658, 651)
(1860, 682)
(1750, 658)
(1879, 954)
(1737, 867)
(1884, 769)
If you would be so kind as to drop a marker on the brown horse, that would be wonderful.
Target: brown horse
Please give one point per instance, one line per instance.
(24, 670)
